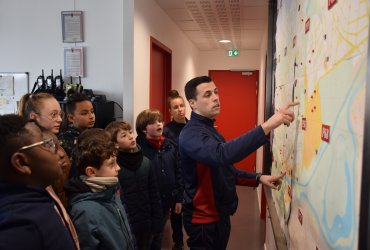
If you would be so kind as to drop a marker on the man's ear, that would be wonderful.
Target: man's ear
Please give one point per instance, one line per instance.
(90, 171)
(192, 103)
(19, 162)
(70, 117)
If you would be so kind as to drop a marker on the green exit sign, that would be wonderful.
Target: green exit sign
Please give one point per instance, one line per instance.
(233, 52)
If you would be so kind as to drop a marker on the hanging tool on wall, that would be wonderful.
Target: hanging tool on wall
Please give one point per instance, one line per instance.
(59, 91)
(40, 84)
(50, 84)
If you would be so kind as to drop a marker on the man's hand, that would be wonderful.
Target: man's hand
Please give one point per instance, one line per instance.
(273, 182)
(282, 116)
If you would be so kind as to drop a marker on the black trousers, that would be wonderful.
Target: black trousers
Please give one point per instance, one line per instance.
(176, 225)
(211, 236)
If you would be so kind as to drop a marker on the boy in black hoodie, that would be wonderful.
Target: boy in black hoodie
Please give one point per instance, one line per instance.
(29, 216)
(139, 190)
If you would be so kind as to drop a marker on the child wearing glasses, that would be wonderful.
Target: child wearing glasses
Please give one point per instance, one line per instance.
(29, 217)
(45, 110)
(139, 188)
(94, 203)
(42, 108)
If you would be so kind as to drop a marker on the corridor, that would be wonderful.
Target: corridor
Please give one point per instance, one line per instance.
(247, 229)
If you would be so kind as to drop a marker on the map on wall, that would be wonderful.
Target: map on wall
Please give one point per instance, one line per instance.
(321, 62)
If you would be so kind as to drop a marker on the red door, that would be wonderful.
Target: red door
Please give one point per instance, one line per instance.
(238, 97)
(160, 77)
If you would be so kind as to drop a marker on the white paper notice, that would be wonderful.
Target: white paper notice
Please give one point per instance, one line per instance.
(72, 26)
(73, 61)
(6, 85)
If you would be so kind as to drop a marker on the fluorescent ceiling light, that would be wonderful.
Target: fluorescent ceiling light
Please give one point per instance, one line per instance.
(224, 41)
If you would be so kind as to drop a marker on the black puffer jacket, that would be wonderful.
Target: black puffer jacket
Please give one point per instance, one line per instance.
(139, 191)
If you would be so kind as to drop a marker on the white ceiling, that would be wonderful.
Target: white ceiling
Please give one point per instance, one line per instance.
(206, 22)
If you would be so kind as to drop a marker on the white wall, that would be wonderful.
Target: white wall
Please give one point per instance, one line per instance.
(219, 60)
(31, 40)
(150, 20)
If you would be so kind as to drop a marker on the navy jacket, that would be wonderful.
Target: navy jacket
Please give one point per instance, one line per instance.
(208, 174)
(172, 131)
(28, 220)
(167, 170)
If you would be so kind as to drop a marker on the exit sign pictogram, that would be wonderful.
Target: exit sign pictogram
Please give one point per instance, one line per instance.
(233, 52)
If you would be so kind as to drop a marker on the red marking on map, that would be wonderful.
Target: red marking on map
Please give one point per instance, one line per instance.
(307, 26)
(325, 133)
(331, 3)
(300, 216)
(290, 191)
(304, 123)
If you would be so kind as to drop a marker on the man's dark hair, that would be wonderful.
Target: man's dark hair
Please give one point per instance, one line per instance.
(13, 136)
(191, 86)
(94, 146)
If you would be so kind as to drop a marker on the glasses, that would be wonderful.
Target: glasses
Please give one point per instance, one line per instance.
(48, 144)
(53, 116)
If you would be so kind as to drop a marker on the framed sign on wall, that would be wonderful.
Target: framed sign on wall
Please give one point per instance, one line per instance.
(72, 26)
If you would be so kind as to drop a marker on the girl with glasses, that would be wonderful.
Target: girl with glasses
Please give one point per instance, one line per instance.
(45, 111)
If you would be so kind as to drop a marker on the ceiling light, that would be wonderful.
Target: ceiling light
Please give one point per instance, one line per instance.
(224, 41)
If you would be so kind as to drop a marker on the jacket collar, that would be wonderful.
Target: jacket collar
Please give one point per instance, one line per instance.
(202, 119)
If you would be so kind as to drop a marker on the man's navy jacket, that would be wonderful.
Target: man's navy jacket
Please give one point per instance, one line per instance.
(208, 174)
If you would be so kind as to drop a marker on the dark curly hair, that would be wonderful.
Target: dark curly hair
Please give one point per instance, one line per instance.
(13, 136)
(94, 146)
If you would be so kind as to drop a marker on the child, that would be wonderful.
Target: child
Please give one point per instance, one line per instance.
(29, 216)
(164, 156)
(80, 116)
(45, 110)
(139, 187)
(42, 108)
(94, 203)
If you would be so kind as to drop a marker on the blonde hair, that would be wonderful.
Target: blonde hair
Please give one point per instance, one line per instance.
(32, 103)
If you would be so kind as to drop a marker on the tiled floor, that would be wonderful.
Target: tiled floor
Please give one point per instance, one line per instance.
(247, 229)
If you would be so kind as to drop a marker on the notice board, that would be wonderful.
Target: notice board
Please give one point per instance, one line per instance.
(12, 87)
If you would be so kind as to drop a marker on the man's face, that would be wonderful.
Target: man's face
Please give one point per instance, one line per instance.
(207, 101)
